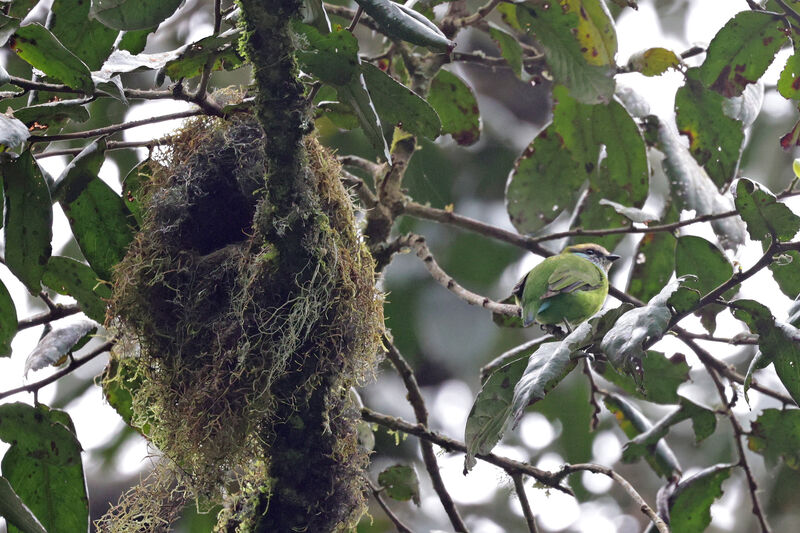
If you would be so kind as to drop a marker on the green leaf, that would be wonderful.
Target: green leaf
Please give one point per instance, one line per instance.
(133, 188)
(85, 37)
(705, 268)
(16, 512)
(52, 348)
(333, 58)
(510, 49)
(8, 321)
(715, 140)
(133, 14)
(221, 50)
(12, 132)
(28, 220)
(742, 50)
(457, 107)
(786, 272)
(340, 114)
(776, 434)
(53, 114)
(544, 181)
(633, 422)
(691, 188)
(397, 104)
(100, 221)
(8, 25)
(44, 466)
(399, 22)
(653, 265)
(41, 49)
(659, 380)
(355, 95)
(401, 483)
(765, 216)
(623, 344)
(779, 342)
(789, 81)
(70, 277)
(135, 41)
(122, 378)
(654, 61)
(490, 413)
(556, 30)
(690, 504)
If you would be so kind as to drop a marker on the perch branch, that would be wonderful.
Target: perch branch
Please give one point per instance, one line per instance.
(417, 243)
(54, 313)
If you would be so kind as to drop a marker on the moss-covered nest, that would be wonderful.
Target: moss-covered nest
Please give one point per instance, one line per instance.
(246, 362)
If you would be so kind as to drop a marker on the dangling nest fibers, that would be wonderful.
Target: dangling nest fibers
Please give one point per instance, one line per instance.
(229, 345)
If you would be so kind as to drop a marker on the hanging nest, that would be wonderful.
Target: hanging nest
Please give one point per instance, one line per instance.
(243, 366)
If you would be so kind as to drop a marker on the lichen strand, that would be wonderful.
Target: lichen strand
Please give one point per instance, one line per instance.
(247, 362)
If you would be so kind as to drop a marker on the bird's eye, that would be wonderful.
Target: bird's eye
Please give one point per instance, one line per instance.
(590, 252)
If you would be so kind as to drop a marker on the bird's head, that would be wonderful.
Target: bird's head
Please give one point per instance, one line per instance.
(594, 253)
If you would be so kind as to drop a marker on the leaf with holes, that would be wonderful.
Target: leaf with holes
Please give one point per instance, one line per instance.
(741, 51)
(765, 216)
(457, 107)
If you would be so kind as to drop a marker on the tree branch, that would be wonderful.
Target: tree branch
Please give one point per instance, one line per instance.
(59, 311)
(519, 486)
(510, 466)
(376, 493)
(73, 364)
(624, 483)
(421, 413)
(417, 243)
(738, 434)
(108, 130)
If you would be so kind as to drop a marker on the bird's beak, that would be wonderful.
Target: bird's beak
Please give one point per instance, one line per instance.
(612, 257)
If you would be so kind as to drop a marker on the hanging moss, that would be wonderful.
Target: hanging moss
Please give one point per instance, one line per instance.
(248, 359)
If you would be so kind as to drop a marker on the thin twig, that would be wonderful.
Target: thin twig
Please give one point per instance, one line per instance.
(624, 483)
(738, 434)
(59, 311)
(111, 145)
(367, 197)
(477, 16)
(593, 390)
(108, 130)
(513, 353)
(519, 486)
(356, 16)
(376, 493)
(417, 243)
(421, 413)
(510, 466)
(74, 364)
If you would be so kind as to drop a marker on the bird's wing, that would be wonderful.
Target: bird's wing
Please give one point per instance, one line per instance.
(570, 277)
(519, 287)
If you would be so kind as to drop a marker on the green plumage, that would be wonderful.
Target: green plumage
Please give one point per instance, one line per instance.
(571, 286)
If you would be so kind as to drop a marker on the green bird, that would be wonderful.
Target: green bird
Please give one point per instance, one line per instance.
(565, 288)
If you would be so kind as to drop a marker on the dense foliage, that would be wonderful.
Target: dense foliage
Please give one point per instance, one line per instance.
(240, 291)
